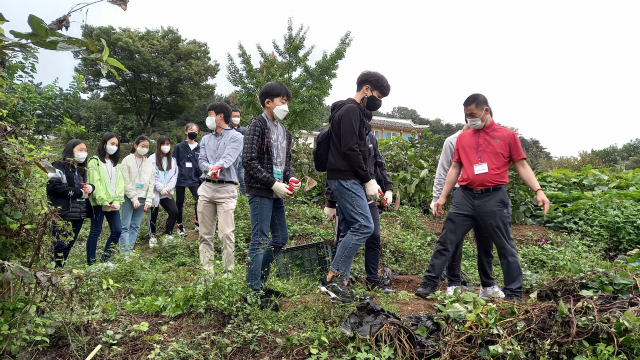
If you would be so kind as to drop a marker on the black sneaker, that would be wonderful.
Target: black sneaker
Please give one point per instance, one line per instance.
(336, 289)
(378, 287)
(513, 297)
(425, 290)
(272, 293)
(181, 231)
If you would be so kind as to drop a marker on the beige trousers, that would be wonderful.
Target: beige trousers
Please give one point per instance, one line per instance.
(217, 200)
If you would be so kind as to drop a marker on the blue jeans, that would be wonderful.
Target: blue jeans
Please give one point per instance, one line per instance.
(267, 214)
(131, 219)
(241, 178)
(115, 226)
(356, 224)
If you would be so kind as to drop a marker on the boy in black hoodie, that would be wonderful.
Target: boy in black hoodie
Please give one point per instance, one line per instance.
(349, 178)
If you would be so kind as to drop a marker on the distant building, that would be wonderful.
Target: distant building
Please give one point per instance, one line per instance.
(308, 137)
(386, 128)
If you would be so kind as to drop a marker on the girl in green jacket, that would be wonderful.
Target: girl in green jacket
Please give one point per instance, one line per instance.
(104, 173)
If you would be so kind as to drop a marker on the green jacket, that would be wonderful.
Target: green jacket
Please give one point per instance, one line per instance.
(96, 175)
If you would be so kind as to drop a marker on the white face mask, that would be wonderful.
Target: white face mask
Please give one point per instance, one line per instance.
(80, 156)
(281, 111)
(211, 122)
(476, 123)
(111, 149)
(142, 151)
(165, 148)
(236, 121)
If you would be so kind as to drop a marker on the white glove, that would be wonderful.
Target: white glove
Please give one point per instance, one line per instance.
(371, 188)
(432, 206)
(84, 194)
(107, 208)
(116, 207)
(296, 185)
(135, 203)
(281, 189)
(163, 192)
(330, 213)
(388, 197)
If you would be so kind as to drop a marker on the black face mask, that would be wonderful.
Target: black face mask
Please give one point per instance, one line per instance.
(192, 135)
(373, 103)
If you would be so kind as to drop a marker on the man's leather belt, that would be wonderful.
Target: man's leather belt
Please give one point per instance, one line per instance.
(482, 191)
(220, 181)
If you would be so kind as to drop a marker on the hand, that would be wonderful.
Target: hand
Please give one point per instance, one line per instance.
(330, 213)
(294, 184)
(145, 208)
(543, 201)
(438, 207)
(87, 188)
(433, 210)
(214, 172)
(371, 189)
(135, 203)
(84, 194)
(163, 192)
(281, 190)
(388, 197)
(115, 206)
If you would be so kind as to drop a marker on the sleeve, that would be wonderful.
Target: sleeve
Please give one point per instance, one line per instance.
(351, 124)
(381, 165)
(203, 164)
(151, 195)
(252, 141)
(515, 149)
(129, 184)
(446, 159)
(289, 171)
(230, 152)
(173, 174)
(157, 185)
(56, 188)
(119, 199)
(176, 152)
(329, 197)
(94, 177)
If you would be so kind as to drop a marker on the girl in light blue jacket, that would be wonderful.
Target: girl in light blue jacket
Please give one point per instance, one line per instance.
(166, 173)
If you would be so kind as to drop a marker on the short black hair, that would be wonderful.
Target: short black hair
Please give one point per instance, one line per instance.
(236, 110)
(272, 90)
(102, 149)
(479, 100)
(375, 80)
(221, 108)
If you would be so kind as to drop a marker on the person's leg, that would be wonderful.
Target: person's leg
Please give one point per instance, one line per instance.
(241, 179)
(153, 218)
(279, 238)
(358, 225)
(453, 266)
(207, 211)
(76, 226)
(126, 214)
(372, 247)
(226, 199)
(260, 210)
(94, 234)
(170, 207)
(115, 226)
(194, 192)
(336, 239)
(134, 228)
(485, 257)
(180, 190)
(495, 216)
(59, 243)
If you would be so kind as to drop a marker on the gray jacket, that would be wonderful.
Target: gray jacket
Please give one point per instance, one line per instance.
(446, 159)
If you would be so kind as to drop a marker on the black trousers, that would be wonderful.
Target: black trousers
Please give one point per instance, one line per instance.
(62, 247)
(491, 213)
(180, 192)
(371, 246)
(169, 205)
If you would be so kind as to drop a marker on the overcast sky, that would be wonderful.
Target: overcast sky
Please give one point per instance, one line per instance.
(564, 72)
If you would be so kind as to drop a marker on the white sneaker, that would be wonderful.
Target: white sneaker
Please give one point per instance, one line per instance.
(168, 239)
(452, 289)
(491, 293)
(152, 242)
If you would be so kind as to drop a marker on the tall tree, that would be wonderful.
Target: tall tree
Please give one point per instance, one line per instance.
(167, 76)
(289, 64)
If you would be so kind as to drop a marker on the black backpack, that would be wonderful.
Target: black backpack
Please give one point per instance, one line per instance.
(321, 150)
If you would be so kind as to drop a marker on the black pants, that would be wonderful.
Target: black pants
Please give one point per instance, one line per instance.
(371, 246)
(169, 205)
(62, 247)
(180, 191)
(491, 213)
(485, 260)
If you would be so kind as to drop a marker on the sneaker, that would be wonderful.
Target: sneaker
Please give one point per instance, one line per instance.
(336, 289)
(425, 290)
(514, 298)
(492, 292)
(272, 293)
(378, 287)
(181, 231)
(168, 239)
(197, 225)
(152, 242)
(452, 289)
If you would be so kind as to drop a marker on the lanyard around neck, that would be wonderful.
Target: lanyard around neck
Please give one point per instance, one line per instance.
(475, 133)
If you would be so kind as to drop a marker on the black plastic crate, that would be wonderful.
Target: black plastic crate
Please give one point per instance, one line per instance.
(304, 260)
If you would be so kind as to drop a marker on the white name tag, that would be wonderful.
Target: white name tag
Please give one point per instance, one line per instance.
(188, 164)
(481, 168)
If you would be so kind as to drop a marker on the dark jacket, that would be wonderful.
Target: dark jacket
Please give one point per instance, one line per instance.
(257, 159)
(187, 176)
(348, 149)
(65, 192)
(377, 169)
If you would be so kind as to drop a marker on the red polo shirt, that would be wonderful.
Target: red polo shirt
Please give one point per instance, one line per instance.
(497, 146)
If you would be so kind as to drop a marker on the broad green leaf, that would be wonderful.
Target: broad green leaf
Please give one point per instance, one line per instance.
(456, 310)
(422, 331)
(105, 52)
(68, 47)
(24, 36)
(575, 269)
(37, 25)
(588, 292)
(113, 62)
(49, 45)
(562, 309)
(92, 44)
(3, 19)
(624, 275)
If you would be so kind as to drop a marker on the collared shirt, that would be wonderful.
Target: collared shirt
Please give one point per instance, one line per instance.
(221, 150)
(496, 146)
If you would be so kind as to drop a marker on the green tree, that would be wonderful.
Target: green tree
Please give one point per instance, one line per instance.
(98, 117)
(168, 73)
(289, 64)
(536, 153)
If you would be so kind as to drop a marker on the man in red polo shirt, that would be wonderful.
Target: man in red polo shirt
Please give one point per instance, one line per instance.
(483, 155)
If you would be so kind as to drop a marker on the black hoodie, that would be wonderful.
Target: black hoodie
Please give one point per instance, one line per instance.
(348, 150)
